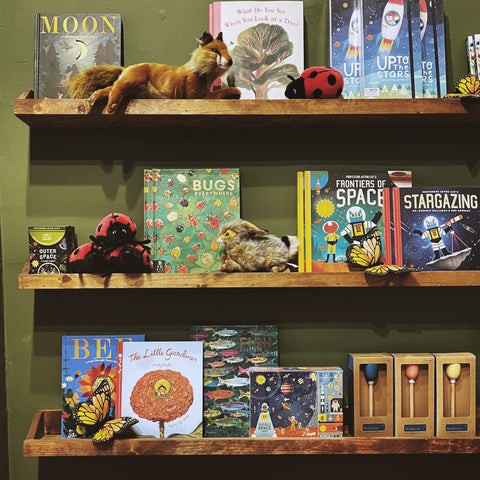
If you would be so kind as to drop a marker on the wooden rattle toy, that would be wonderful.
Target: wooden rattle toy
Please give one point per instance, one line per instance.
(453, 372)
(412, 373)
(371, 375)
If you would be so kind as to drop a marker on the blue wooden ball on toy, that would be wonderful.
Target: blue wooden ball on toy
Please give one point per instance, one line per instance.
(371, 372)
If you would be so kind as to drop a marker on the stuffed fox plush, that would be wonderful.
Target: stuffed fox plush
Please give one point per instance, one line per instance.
(154, 80)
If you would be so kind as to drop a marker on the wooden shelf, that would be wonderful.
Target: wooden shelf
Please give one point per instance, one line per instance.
(248, 113)
(44, 440)
(245, 280)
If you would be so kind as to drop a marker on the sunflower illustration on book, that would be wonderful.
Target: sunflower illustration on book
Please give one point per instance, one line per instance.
(93, 416)
(161, 396)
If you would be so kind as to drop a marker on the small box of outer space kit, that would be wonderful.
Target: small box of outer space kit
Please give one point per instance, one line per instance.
(391, 49)
(346, 51)
(296, 402)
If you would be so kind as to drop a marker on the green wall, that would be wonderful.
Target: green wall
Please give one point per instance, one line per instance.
(76, 176)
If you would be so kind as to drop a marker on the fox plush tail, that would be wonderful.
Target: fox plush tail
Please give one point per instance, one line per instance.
(93, 79)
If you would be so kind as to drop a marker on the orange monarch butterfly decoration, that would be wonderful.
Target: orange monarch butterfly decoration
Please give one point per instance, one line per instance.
(468, 85)
(93, 415)
(368, 253)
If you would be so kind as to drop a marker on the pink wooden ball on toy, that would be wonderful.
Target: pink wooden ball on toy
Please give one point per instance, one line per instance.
(411, 372)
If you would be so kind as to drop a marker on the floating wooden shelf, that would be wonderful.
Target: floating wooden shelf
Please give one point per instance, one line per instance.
(245, 280)
(247, 113)
(44, 440)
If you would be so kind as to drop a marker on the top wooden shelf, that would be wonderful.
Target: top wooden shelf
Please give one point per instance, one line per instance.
(248, 113)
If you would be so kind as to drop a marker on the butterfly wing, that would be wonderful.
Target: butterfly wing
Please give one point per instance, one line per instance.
(382, 270)
(468, 85)
(112, 428)
(368, 252)
(95, 410)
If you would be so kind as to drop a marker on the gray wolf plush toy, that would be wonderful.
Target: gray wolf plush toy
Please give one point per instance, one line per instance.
(252, 249)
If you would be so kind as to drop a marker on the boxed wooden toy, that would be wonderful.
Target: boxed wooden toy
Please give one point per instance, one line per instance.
(455, 390)
(370, 394)
(414, 390)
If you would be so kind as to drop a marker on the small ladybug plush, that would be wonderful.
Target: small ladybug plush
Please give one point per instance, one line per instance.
(130, 258)
(89, 258)
(115, 229)
(316, 82)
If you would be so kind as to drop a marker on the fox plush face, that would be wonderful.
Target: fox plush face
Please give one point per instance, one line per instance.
(212, 56)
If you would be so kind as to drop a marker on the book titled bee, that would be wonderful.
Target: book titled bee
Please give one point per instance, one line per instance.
(183, 212)
(266, 41)
(228, 353)
(49, 248)
(437, 228)
(66, 44)
(86, 361)
(161, 384)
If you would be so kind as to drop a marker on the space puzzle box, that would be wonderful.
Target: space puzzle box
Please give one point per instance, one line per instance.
(228, 352)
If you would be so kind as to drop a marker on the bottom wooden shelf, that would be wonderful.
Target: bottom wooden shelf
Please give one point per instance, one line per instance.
(44, 440)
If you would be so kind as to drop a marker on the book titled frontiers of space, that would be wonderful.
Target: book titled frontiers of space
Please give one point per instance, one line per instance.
(339, 209)
(266, 42)
(184, 210)
(229, 351)
(160, 384)
(66, 44)
(86, 361)
(437, 228)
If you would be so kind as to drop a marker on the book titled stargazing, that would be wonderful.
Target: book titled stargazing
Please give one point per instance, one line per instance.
(437, 228)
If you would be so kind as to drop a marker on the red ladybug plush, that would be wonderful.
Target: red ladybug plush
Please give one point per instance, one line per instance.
(115, 229)
(316, 82)
(131, 258)
(89, 258)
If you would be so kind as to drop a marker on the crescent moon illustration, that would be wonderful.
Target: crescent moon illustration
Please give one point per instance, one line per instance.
(83, 50)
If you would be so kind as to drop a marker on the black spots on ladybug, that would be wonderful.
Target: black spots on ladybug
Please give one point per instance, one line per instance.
(99, 227)
(332, 80)
(339, 91)
(317, 93)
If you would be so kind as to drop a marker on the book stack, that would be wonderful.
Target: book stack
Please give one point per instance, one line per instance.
(389, 48)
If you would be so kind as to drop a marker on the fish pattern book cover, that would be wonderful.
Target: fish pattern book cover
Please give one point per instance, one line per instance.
(229, 351)
(437, 228)
(86, 361)
(67, 44)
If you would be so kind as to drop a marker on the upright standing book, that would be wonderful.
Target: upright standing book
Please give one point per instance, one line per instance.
(266, 41)
(340, 208)
(86, 361)
(66, 44)
(437, 228)
(229, 351)
(160, 384)
(184, 210)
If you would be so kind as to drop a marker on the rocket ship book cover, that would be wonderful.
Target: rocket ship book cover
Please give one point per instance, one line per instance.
(346, 53)
(229, 351)
(86, 361)
(341, 207)
(283, 403)
(391, 49)
(437, 228)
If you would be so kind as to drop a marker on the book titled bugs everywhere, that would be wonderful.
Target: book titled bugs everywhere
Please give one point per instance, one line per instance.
(183, 212)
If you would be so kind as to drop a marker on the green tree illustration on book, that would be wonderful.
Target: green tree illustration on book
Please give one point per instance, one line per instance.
(259, 60)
